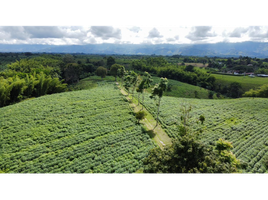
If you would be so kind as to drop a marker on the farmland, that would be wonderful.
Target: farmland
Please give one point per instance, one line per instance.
(246, 82)
(89, 131)
(240, 121)
(178, 89)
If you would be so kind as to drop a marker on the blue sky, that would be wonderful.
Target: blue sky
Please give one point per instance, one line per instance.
(61, 35)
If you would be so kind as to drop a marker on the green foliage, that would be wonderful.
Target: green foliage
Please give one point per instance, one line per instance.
(260, 92)
(189, 68)
(176, 72)
(101, 71)
(235, 90)
(117, 70)
(89, 131)
(68, 58)
(159, 89)
(140, 115)
(202, 119)
(110, 62)
(188, 155)
(222, 145)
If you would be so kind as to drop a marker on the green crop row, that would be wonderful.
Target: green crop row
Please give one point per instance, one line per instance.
(89, 131)
(242, 121)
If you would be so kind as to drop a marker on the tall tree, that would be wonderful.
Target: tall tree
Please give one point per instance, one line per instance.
(114, 70)
(110, 61)
(133, 81)
(158, 90)
(101, 71)
(121, 73)
(144, 84)
(68, 58)
(127, 81)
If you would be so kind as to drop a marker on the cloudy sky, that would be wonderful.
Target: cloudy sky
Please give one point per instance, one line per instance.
(60, 35)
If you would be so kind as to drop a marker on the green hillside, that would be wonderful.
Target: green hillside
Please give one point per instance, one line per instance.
(246, 82)
(91, 131)
(185, 90)
(242, 121)
(177, 88)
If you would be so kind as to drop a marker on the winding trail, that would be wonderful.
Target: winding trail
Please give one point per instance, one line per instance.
(158, 134)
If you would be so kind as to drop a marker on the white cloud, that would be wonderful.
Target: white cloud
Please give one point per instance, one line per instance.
(60, 35)
(106, 32)
(154, 33)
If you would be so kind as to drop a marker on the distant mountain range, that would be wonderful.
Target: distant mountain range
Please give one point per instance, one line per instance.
(252, 49)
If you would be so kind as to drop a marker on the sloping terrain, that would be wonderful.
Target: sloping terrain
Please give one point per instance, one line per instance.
(241, 121)
(91, 131)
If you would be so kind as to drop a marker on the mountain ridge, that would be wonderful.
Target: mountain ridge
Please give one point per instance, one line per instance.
(252, 49)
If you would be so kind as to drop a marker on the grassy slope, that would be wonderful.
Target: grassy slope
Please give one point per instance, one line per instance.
(246, 82)
(178, 89)
(82, 131)
(241, 121)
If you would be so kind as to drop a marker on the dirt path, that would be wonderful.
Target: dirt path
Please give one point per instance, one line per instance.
(157, 134)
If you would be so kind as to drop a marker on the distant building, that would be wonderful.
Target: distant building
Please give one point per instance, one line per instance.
(262, 75)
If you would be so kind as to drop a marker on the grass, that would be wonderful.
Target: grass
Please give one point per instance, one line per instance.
(246, 82)
(90, 82)
(156, 133)
(185, 90)
(197, 64)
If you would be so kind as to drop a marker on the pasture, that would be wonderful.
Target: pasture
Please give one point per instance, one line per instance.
(246, 82)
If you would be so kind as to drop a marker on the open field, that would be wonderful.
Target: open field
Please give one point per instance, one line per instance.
(197, 64)
(88, 131)
(185, 90)
(246, 82)
(242, 121)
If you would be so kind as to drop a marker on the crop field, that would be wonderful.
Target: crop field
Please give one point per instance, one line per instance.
(246, 82)
(241, 121)
(88, 131)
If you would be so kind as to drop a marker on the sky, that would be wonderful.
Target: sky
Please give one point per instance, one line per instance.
(79, 35)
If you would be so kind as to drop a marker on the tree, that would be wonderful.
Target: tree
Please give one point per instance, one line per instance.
(72, 72)
(127, 80)
(68, 58)
(145, 83)
(158, 90)
(185, 126)
(110, 61)
(187, 154)
(140, 115)
(189, 68)
(101, 71)
(133, 81)
(121, 73)
(114, 70)
(235, 90)
(260, 92)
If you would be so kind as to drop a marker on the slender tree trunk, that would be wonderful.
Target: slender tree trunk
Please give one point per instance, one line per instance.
(142, 99)
(157, 113)
(138, 98)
